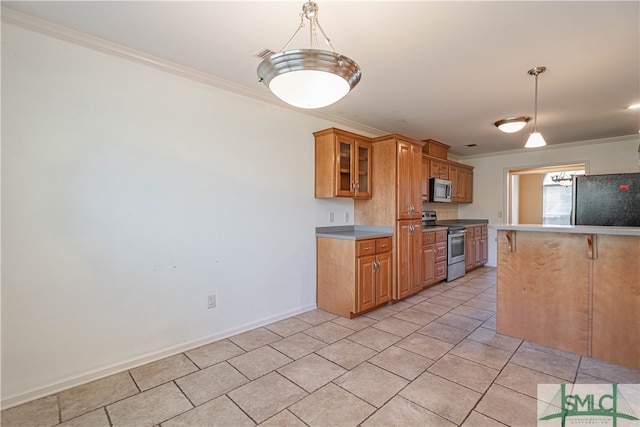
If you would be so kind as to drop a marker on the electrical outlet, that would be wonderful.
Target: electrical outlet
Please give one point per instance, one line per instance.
(331, 217)
(499, 214)
(346, 217)
(211, 301)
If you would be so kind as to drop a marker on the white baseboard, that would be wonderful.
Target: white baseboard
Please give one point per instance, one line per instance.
(106, 371)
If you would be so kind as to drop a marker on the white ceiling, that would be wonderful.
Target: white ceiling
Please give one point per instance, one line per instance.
(441, 70)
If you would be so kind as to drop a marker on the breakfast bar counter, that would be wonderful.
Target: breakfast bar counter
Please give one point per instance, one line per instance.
(575, 288)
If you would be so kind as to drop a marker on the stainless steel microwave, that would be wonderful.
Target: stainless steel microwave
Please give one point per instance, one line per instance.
(440, 190)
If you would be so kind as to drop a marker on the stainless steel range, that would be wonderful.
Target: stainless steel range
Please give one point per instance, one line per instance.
(455, 252)
(455, 245)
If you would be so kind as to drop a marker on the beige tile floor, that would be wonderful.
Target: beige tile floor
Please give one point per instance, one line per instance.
(433, 359)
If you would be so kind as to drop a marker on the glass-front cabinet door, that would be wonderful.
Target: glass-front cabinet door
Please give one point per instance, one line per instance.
(345, 166)
(353, 168)
(363, 183)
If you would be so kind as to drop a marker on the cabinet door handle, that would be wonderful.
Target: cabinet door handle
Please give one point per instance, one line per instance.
(383, 246)
(368, 248)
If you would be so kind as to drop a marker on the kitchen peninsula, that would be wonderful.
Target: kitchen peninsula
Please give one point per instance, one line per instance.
(575, 288)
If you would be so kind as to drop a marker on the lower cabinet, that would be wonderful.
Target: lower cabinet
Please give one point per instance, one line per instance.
(374, 274)
(428, 258)
(477, 247)
(409, 247)
(353, 276)
(434, 257)
(441, 256)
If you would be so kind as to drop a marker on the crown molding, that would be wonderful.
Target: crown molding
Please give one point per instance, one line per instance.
(29, 22)
(633, 137)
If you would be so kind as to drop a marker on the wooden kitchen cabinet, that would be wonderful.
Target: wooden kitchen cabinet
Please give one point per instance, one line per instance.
(572, 291)
(470, 249)
(476, 247)
(438, 169)
(343, 164)
(441, 256)
(465, 177)
(436, 165)
(434, 257)
(462, 183)
(353, 276)
(428, 258)
(410, 278)
(435, 148)
(374, 273)
(397, 178)
(425, 178)
(484, 245)
(455, 184)
(409, 179)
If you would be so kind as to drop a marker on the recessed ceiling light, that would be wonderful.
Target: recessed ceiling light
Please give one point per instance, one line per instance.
(633, 106)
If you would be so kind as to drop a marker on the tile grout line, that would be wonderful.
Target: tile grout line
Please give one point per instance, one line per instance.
(391, 316)
(492, 383)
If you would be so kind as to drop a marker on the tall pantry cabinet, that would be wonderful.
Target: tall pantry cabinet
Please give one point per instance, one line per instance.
(397, 176)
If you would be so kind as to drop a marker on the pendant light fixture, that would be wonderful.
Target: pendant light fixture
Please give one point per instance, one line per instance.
(512, 124)
(309, 78)
(536, 139)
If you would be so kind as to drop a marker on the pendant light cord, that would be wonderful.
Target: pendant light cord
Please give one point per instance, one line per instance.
(535, 107)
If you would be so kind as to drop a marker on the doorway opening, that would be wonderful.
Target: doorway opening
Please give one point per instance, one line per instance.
(542, 195)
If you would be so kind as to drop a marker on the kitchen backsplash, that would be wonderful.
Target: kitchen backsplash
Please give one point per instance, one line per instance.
(443, 210)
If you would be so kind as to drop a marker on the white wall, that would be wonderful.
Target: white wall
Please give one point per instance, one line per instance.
(616, 155)
(128, 196)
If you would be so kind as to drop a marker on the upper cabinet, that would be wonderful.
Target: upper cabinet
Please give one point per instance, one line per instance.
(434, 154)
(438, 169)
(343, 164)
(409, 180)
(465, 185)
(425, 178)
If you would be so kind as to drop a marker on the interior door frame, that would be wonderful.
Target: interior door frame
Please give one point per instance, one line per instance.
(510, 172)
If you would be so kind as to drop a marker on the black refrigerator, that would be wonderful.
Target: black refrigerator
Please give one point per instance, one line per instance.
(607, 200)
